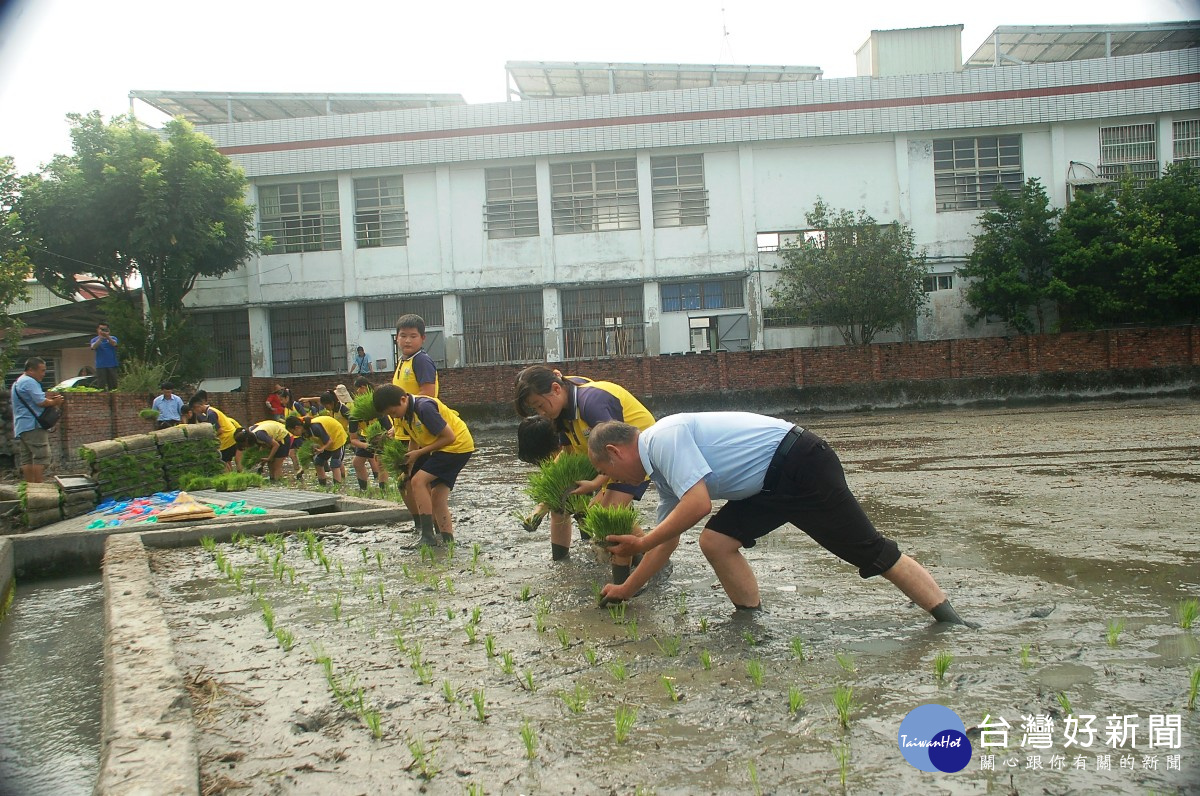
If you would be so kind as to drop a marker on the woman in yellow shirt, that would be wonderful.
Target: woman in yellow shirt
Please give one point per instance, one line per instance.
(330, 437)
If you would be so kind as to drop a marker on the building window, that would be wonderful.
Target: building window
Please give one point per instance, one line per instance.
(229, 334)
(936, 282)
(300, 216)
(711, 295)
(1187, 142)
(308, 339)
(966, 171)
(383, 314)
(379, 216)
(603, 322)
(678, 187)
(503, 327)
(594, 196)
(1129, 151)
(511, 210)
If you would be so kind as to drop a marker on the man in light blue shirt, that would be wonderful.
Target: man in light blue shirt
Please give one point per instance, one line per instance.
(168, 405)
(28, 399)
(771, 473)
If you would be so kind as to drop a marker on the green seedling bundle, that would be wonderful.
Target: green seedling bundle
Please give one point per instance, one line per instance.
(555, 479)
(362, 408)
(600, 522)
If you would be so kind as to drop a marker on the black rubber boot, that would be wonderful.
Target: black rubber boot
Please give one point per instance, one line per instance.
(445, 538)
(620, 573)
(944, 612)
(558, 552)
(428, 535)
(362, 484)
(737, 607)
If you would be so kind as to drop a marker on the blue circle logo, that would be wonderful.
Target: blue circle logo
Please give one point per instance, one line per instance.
(934, 738)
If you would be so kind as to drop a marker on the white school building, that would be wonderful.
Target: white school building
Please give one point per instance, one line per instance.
(617, 209)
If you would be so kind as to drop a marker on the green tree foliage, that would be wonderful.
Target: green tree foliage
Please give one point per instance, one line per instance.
(132, 207)
(1011, 267)
(14, 266)
(1131, 256)
(861, 276)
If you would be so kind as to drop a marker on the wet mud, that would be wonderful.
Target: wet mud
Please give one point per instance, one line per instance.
(1050, 527)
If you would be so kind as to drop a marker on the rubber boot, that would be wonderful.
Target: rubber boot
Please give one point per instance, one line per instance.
(620, 573)
(362, 484)
(944, 612)
(446, 539)
(559, 552)
(428, 535)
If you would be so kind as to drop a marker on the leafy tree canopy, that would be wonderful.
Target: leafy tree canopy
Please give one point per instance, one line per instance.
(854, 273)
(132, 207)
(14, 265)
(1011, 265)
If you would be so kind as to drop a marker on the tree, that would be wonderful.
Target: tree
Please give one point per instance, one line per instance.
(863, 277)
(1131, 256)
(129, 207)
(1011, 266)
(14, 265)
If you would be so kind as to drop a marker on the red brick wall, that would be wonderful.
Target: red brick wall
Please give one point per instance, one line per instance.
(90, 417)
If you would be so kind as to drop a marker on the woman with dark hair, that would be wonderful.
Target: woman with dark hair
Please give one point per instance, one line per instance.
(277, 439)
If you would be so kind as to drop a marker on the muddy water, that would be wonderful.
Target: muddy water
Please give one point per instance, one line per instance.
(50, 688)
(1047, 526)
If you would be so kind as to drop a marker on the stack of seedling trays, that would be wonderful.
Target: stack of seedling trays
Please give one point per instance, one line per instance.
(41, 504)
(125, 467)
(78, 495)
(188, 450)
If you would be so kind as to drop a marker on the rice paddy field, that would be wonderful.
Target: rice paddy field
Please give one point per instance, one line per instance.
(337, 661)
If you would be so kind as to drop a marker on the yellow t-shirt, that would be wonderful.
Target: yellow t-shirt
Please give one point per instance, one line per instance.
(226, 426)
(580, 422)
(333, 428)
(414, 428)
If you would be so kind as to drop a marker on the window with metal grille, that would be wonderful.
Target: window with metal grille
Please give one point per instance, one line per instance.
(1186, 135)
(383, 314)
(603, 322)
(228, 332)
(678, 188)
(594, 196)
(379, 215)
(511, 210)
(300, 216)
(503, 327)
(308, 339)
(935, 282)
(1129, 152)
(967, 171)
(709, 295)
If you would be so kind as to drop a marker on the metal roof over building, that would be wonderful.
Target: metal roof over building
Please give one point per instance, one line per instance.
(549, 79)
(1034, 44)
(223, 107)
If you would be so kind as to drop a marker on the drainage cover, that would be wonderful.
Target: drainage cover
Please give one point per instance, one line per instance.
(270, 498)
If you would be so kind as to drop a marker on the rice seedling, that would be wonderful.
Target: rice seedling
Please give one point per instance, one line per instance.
(448, 692)
(752, 772)
(623, 721)
(424, 672)
(589, 655)
(617, 612)
(1193, 688)
(374, 723)
(681, 604)
(843, 703)
(706, 659)
(449, 584)
(398, 640)
(379, 590)
(359, 576)
(1112, 633)
(476, 551)
(1188, 610)
(342, 571)
(489, 645)
(600, 522)
(379, 560)
(524, 596)
(669, 685)
(618, 670)
(208, 544)
(754, 668)
(704, 624)
(363, 407)
(479, 701)
(539, 621)
(529, 738)
(556, 478)
(941, 662)
(507, 664)
(846, 661)
(843, 757)
(474, 789)
(336, 606)
(527, 680)
(268, 615)
(476, 615)
(749, 638)
(796, 700)
(285, 638)
(798, 648)
(422, 758)
(471, 632)
(575, 700)
(631, 629)
(1064, 703)
(1024, 656)
(669, 646)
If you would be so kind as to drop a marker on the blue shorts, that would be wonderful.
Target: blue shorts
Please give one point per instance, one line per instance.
(444, 467)
(329, 460)
(637, 490)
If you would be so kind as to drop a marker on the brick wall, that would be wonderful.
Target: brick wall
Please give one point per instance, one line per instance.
(94, 416)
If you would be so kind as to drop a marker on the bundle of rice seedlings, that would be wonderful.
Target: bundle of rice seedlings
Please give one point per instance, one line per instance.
(148, 414)
(305, 454)
(194, 482)
(604, 521)
(362, 407)
(236, 482)
(556, 478)
(392, 454)
(374, 434)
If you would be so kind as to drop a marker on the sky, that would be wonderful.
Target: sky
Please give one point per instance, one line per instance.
(74, 56)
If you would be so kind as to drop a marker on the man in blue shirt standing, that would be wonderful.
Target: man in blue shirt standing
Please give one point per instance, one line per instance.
(105, 346)
(28, 398)
(169, 406)
(770, 472)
